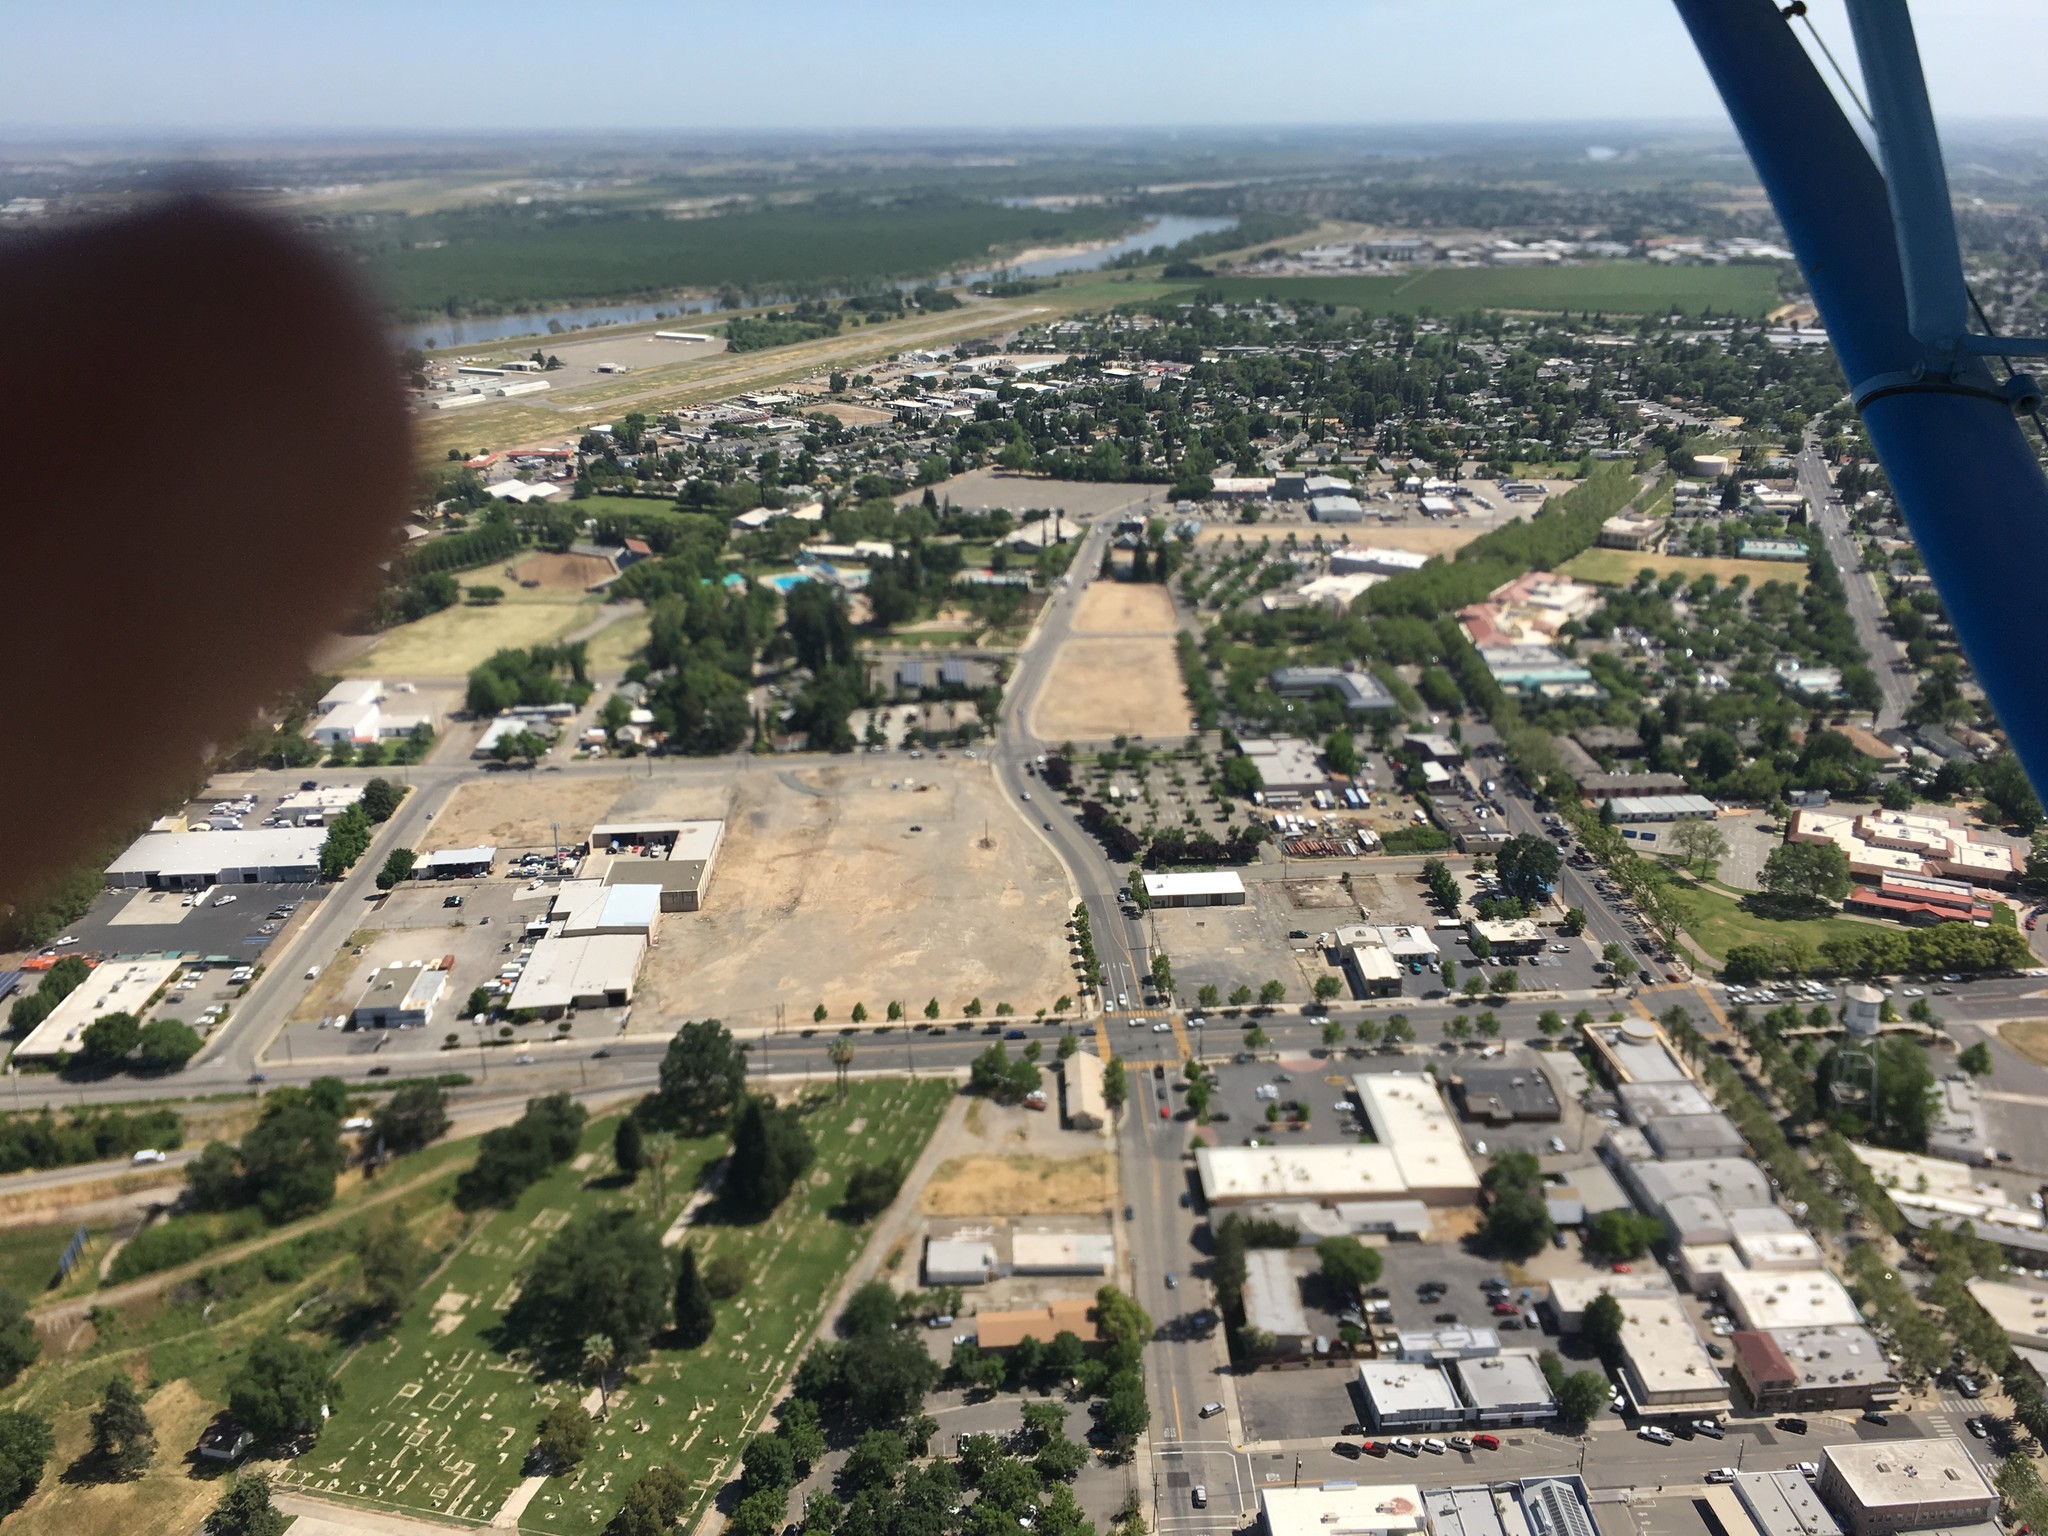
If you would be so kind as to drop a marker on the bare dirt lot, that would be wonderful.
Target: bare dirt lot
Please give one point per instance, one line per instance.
(562, 573)
(1019, 492)
(823, 893)
(1117, 675)
(1020, 1186)
(514, 810)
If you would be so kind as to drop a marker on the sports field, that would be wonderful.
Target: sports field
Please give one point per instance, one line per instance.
(1618, 568)
(435, 1422)
(1610, 287)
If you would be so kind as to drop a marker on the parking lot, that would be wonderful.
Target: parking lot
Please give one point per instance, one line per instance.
(414, 923)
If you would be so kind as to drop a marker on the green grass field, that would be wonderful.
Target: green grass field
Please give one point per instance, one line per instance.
(1618, 567)
(1610, 287)
(1717, 922)
(435, 1422)
(454, 641)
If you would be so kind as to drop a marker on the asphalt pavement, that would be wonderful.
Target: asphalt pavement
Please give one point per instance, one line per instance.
(1832, 521)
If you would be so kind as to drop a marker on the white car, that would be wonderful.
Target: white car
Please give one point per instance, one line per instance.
(312, 972)
(1434, 1446)
(1654, 1435)
(147, 1155)
(1557, 1143)
(1721, 1475)
(224, 898)
(1162, 1028)
(1122, 1001)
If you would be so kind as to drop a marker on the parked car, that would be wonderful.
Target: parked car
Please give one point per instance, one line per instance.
(1201, 1496)
(1721, 1475)
(1710, 1429)
(1872, 1416)
(1792, 1426)
(1434, 1446)
(1374, 1448)
(1487, 1442)
(1654, 1435)
(1347, 1450)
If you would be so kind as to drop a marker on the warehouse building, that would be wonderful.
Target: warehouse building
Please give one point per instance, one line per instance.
(399, 997)
(1634, 810)
(594, 972)
(455, 864)
(1341, 1508)
(1416, 1155)
(1081, 1083)
(675, 857)
(192, 861)
(1272, 1300)
(117, 986)
(1883, 1486)
(958, 1261)
(1061, 1253)
(1200, 888)
(1372, 971)
(584, 908)
(317, 807)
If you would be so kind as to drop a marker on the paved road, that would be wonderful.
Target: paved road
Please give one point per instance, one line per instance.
(1832, 519)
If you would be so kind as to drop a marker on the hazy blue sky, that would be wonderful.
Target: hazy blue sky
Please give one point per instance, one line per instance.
(439, 65)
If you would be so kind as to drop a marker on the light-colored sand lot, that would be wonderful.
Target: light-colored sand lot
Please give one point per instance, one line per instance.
(517, 809)
(824, 894)
(1024, 1185)
(1117, 675)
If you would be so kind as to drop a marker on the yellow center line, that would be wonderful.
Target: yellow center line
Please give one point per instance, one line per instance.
(1178, 1433)
(1714, 1008)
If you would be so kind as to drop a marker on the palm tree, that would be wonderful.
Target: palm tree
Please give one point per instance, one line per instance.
(841, 1052)
(599, 1355)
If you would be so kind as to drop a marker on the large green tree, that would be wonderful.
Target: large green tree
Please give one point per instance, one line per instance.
(1601, 1325)
(246, 1510)
(19, 1345)
(1348, 1264)
(25, 1447)
(122, 1440)
(1581, 1395)
(165, 1045)
(1811, 872)
(291, 1156)
(603, 1273)
(279, 1389)
(702, 1077)
(694, 1314)
(414, 1115)
(1527, 865)
(770, 1152)
(107, 1042)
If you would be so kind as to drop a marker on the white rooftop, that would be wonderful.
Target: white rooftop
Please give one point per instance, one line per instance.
(206, 854)
(1788, 1298)
(1407, 1114)
(1321, 1173)
(1341, 1508)
(117, 986)
(1207, 882)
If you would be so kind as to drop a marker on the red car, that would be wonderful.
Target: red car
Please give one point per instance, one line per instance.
(1624, 1269)
(1505, 1309)
(1374, 1448)
(1487, 1442)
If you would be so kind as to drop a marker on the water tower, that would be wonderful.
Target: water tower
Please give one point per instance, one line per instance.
(1865, 1004)
(1855, 1071)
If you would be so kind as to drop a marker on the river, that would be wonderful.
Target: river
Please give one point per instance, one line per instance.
(1168, 230)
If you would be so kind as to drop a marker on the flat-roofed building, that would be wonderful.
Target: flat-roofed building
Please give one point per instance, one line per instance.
(1383, 562)
(455, 864)
(1272, 1300)
(1407, 1114)
(1006, 1330)
(1665, 1369)
(1432, 747)
(1728, 1183)
(1506, 1095)
(1793, 1249)
(1358, 691)
(1643, 1102)
(1404, 1396)
(1789, 1298)
(1286, 764)
(1322, 1175)
(1635, 1051)
(676, 857)
(1505, 1390)
(1636, 810)
(400, 997)
(1879, 843)
(582, 908)
(594, 972)
(1882, 1486)
(114, 986)
(2021, 1310)
(1687, 1138)
(1341, 1508)
(1841, 1366)
(1784, 1503)
(1061, 1253)
(191, 861)
(1081, 1081)
(1196, 888)
(958, 1261)
(317, 807)
(1509, 936)
(1445, 1342)
(1570, 1295)
(1372, 971)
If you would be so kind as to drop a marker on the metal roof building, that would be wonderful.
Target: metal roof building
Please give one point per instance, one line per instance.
(1198, 888)
(455, 864)
(954, 1261)
(1659, 808)
(117, 986)
(399, 997)
(1081, 1078)
(594, 972)
(189, 861)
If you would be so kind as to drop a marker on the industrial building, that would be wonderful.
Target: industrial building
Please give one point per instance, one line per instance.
(1637, 810)
(116, 986)
(455, 864)
(1794, 1370)
(594, 972)
(317, 807)
(1372, 971)
(1341, 1508)
(1085, 1107)
(352, 712)
(1882, 1486)
(1506, 1095)
(675, 857)
(1407, 1116)
(1272, 1300)
(585, 908)
(959, 1261)
(1510, 936)
(192, 861)
(1417, 1156)
(399, 997)
(1286, 764)
(1199, 888)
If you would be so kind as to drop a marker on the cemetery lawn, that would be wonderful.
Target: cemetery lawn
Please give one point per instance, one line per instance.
(434, 1421)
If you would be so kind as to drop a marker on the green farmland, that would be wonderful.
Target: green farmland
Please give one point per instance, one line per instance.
(435, 1422)
(1609, 287)
(489, 263)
